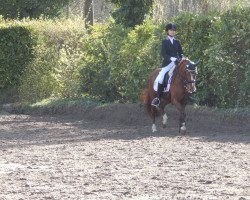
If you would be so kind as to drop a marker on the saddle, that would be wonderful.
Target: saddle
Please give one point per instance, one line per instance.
(167, 81)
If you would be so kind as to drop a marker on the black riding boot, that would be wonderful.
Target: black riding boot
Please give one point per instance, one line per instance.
(158, 94)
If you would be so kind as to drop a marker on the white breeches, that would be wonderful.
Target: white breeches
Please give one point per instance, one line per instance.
(160, 77)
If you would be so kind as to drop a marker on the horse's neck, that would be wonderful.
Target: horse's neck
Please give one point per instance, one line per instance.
(177, 78)
(175, 73)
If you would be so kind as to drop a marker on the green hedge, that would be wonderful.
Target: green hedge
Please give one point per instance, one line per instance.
(113, 63)
(54, 70)
(39, 58)
(222, 44)
(229, 58)
(129, 55)
(16, 52)
(117, 61)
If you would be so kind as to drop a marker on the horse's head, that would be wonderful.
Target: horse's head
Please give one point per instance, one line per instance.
(188, 73)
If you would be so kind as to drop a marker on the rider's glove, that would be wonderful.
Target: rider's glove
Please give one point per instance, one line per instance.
(173, 59)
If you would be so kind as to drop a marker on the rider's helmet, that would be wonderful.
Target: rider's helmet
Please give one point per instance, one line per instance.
(170, 27)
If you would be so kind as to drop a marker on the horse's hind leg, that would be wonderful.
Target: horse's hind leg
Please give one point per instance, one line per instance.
(153, 115)
(164, 117)
(164, 114)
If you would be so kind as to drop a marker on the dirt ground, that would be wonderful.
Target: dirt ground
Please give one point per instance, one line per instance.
(111, 153)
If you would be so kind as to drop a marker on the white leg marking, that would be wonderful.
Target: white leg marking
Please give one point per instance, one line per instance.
(154, 128)
(183, 127)
(165, 119)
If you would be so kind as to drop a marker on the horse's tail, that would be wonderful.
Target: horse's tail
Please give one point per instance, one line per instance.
(145, 99)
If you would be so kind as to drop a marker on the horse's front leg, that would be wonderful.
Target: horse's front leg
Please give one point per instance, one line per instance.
(182, 125)
(161, 109)
(164, 120)
(154, 113)
(182, 122)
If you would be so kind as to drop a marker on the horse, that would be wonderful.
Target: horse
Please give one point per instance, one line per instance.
(183, 84)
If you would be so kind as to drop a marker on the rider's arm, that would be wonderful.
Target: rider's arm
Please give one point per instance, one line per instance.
(180, 51)
(165, 56)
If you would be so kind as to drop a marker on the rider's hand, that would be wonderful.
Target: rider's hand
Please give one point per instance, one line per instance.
(173, 59)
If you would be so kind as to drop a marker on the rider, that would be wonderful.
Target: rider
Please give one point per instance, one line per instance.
(171, 50)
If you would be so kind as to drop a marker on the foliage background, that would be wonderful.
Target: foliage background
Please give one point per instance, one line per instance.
(112, 62)
(131, 13)
(16, 9)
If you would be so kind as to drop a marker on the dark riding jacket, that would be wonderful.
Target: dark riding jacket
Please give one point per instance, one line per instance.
(169, 50)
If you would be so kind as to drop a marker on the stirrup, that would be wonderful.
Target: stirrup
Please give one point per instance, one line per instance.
(156, 102)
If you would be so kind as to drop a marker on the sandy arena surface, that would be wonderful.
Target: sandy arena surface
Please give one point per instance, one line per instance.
(101, 156)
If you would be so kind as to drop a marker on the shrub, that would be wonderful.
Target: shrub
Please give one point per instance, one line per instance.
(228, 58)
(16, 52)
(117, 61)
(138, 56)
(53, 71)
(194, 32)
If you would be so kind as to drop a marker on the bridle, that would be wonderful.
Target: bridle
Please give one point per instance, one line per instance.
(183, 79)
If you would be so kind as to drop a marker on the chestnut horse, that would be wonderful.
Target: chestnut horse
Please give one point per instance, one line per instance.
(183, 84)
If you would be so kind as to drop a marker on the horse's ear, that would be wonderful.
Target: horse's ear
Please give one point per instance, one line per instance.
(195, 64)
(192, 66)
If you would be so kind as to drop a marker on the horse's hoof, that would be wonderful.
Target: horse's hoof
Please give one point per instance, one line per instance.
(183, 131)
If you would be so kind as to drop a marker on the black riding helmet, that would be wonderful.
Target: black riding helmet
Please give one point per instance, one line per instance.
(170, 27)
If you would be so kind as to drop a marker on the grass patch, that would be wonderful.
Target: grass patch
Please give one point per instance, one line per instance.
(55, 105)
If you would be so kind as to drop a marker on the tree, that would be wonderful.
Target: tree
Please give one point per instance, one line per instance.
(131, 12)
(19, 9)
(88, 13)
